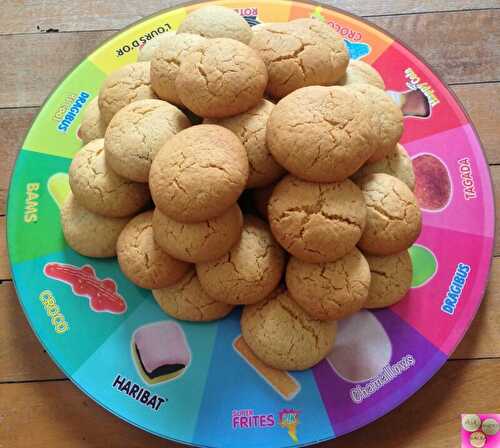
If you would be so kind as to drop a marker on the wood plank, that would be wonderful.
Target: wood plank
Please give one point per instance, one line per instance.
(470, 55)
(4, 259)
(480, 102)
(482, 338)
(49, 56)
(61, 416)
(431, 418)
(115, 14)
(17, 121)
(22, 357)
(472, 49)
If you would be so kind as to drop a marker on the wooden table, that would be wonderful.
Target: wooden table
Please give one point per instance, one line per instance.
(39, 43)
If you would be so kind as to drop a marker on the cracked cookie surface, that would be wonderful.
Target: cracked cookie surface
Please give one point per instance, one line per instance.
(199, 241)
(300, 53)
(200, 174)
(89, 234)
(320, 134)
(250, 271)
(283, 335)
(386, 119)
(137, 132)
(124, 86)
(330, 291)
(186, 300)
(391, 277)
(397, 164)
(217, 21)
(142, 260)
(393, 219)
(317, 222)
(93, 125)
(166, 62)
(359, 72)
(221, 78)
(250, 127)
(147, 51)
(100, 189)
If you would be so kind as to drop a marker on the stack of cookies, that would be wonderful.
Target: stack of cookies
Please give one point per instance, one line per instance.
(217, 108)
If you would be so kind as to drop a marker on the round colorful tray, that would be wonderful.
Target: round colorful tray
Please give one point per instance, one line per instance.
(205, 388)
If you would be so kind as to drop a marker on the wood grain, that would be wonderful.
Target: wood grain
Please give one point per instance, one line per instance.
(17, 122)
(115, 14)
(45, 59)
(22, 357)
(470, 54)
(480, 102)
(431, 418)
(4, 259)
(61, 416)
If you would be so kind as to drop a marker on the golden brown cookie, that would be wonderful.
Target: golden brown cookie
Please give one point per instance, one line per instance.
(137, 132)
(217, 21)
(221, 78)
(250, 271)
(166, 62)
(393, 219)
(142, 260)
(148, 50)
(283, 335)
(359, 72)
(124, 86)
(386, 119)
(330, 291)
(93, 126)
(89, 234)
(317, 222)
(390, 279)
(320, 134)
(99, 189)
(186, 300)
(260, 199)
(199, 173)
(198, 241)
(303, 52)
(250, 127)
(397, 164)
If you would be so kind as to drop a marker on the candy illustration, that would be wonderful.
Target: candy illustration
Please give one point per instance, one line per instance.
(280, 380)
(58, 187)
(102, 294)
(432, 182)
(424, 265)
(362, 348)
(357, 50)
(413, 103)
(160, 352)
